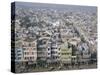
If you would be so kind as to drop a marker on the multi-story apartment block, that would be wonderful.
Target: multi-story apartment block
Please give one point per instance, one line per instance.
(18, 51)
(29, 47)
(55, 52)
(18, 54)
(66, 53)
(84, 55)
(44, 47)
(55, 46)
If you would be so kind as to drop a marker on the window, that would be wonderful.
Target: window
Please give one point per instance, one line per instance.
(32, 52)
(59, 49)
(24, 49)
(65, 54)
(48, 53)
(19, 58)
(29, 44)
(25, 58)
(55, 57)
(26, 53)
(48, 49)
(19, 54)
(18, 51)
(34, 48)
(31, 58)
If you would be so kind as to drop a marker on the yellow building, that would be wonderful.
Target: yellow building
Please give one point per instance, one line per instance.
(66, 53)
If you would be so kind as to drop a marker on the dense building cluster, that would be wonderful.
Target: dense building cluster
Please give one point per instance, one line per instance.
(48, 37)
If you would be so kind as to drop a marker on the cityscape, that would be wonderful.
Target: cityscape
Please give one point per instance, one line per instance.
(53, 37)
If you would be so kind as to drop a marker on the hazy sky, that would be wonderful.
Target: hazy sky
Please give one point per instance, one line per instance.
(56, 6)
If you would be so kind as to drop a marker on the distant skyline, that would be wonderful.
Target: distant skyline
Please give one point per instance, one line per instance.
(57, 6)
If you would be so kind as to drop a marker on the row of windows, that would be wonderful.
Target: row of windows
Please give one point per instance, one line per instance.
(28, 44)
(27, 53)
(54, 52)
(18, 50)
(66, 53)
(29, 48)
(55, 48)
(49, 49)
(41, 53)
(55, 57)
(29, 58)
(19, 54)
(19, 58)
(49, 53)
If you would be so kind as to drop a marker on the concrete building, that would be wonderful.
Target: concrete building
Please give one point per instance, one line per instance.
(29, 47)
(84, 53)
(44, 47)
(18, 54)
(55, 45)
(66, 53)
